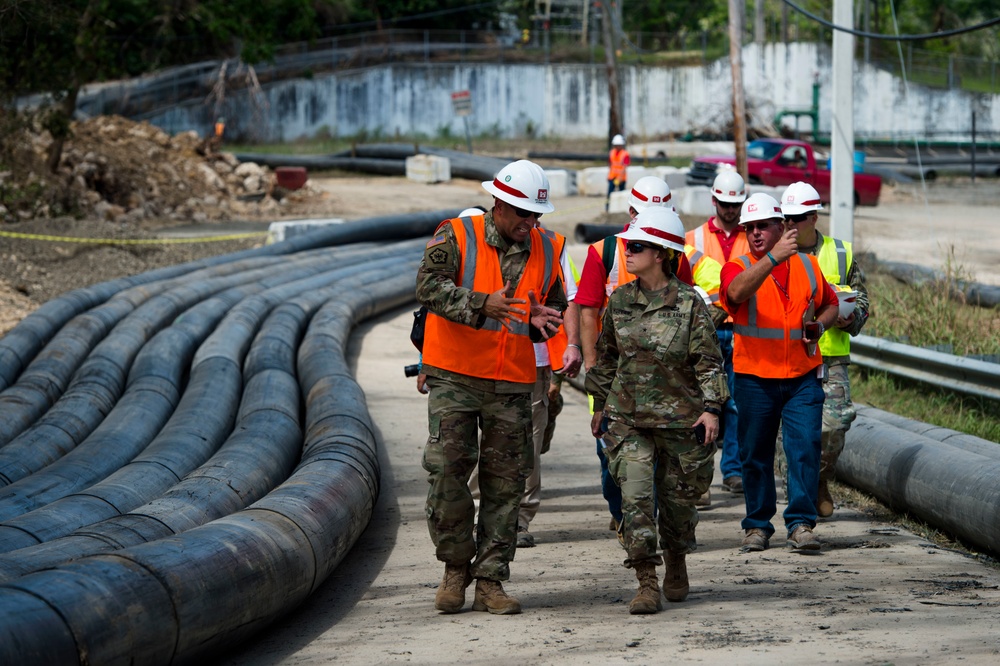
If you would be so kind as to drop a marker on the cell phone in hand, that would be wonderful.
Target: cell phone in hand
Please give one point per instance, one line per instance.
(812, 330)
(699, 433)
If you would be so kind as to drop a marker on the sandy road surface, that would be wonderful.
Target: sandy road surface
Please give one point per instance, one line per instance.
(875, 594)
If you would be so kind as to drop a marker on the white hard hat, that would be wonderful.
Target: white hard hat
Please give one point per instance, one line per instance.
(760, 206)
(729, 187)
(657, 226)
(522, 184)
(649, 191)
(472, 212)
(618, 140)
(800, 198)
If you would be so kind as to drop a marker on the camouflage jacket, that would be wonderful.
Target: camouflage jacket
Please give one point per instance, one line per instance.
(658, 358)
(438, 289)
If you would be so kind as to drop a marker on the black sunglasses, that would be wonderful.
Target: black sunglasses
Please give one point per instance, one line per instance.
(525, 214)
(760, 226)
(635, 247)
(795, 219)
(728, 204)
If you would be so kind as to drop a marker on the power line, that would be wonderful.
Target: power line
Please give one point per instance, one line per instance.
(895, 38)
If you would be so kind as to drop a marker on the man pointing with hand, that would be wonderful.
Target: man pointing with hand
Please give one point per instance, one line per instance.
(492, 286)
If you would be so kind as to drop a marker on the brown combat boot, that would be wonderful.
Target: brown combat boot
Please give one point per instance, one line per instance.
(824, 502)
(491, 597)
(647, 599)
(675, 578)
(450, 597)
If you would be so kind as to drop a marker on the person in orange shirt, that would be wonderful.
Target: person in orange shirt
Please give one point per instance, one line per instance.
(618, 161)
(780, 304)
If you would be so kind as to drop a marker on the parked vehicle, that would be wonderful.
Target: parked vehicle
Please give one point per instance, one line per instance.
(780, 162)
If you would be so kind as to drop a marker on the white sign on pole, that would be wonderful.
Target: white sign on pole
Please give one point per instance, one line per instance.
(461, 101)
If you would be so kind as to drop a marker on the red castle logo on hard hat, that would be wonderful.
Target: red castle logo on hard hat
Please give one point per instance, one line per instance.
(790, 198)
(656, 199)
(543, 195)
(752, 208)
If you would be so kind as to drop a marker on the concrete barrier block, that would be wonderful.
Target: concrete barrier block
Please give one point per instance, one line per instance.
(428, 168)
(562, 183)
(693, 200)
(618, 202)
(674, 177)
(592, 181)
(279, 231)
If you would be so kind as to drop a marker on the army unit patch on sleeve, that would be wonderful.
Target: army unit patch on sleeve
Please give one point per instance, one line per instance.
(438, 256)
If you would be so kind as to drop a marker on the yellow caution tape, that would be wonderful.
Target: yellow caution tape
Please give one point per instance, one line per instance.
(133, 241)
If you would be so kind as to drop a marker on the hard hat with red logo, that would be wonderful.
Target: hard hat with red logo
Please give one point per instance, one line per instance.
(649, 191)
(618, 140)
(760, 206)
(729, 187)
(522, 184)
(800, 198)
(656, 226)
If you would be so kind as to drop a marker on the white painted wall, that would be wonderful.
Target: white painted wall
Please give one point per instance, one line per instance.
(571, 100)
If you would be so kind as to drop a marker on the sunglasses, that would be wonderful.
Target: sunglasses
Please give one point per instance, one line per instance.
(728, 204)
(635, 247)
(760, 226)
(795, 219)
(525, 214)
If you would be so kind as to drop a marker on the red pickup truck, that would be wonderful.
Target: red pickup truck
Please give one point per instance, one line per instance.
(779, 162)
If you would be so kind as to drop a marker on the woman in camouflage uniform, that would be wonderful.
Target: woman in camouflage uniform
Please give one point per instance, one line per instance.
(658, 387)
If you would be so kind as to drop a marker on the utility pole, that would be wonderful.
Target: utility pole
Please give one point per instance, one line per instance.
(758, 22)
(842, 137)
(736, 64)
(614, 113)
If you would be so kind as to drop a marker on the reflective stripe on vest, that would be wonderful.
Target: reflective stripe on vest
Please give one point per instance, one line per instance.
(770, 361)
(835, 255)
(491, 352)
(705, 271)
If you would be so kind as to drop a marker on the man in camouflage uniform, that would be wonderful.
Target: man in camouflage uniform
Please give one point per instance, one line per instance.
(460, 404)
(659, 372)
(799, 203)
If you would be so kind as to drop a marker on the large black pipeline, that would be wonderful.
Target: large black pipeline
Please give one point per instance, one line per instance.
(21, 344)
(591, 233)
(954, 489)
(212, 586)
(198, 422)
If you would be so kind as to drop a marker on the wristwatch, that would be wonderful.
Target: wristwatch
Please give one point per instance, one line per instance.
(713, 410)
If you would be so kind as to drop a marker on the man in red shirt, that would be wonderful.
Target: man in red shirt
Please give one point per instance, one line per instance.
(780, 304)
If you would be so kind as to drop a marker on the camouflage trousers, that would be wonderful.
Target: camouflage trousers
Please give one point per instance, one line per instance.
(683, 471)
(469, 427)
(838, 414)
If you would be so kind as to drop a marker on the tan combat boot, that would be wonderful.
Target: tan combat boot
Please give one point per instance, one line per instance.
(450, 597)
(824, 503)
(491, 597)
(647, 599)
(675, 578)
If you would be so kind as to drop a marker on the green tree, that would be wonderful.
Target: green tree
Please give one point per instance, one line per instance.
(56, 46)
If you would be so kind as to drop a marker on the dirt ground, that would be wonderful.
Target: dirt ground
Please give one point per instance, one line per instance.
(875, 594)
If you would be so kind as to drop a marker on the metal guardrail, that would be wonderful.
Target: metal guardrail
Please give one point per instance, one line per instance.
(957, 373)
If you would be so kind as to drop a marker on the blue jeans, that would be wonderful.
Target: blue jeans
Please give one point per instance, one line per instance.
(612, 493)
(796, 404)
(729, 464)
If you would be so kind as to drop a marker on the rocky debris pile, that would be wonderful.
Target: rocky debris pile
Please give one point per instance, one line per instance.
(123, 171)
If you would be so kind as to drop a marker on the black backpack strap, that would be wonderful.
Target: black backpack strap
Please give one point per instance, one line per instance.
(608, 255)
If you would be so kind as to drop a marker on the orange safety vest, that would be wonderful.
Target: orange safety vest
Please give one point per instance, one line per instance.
(491, 352)
(707, 243)
(558, 343)
(617, 170)
(767, 331)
